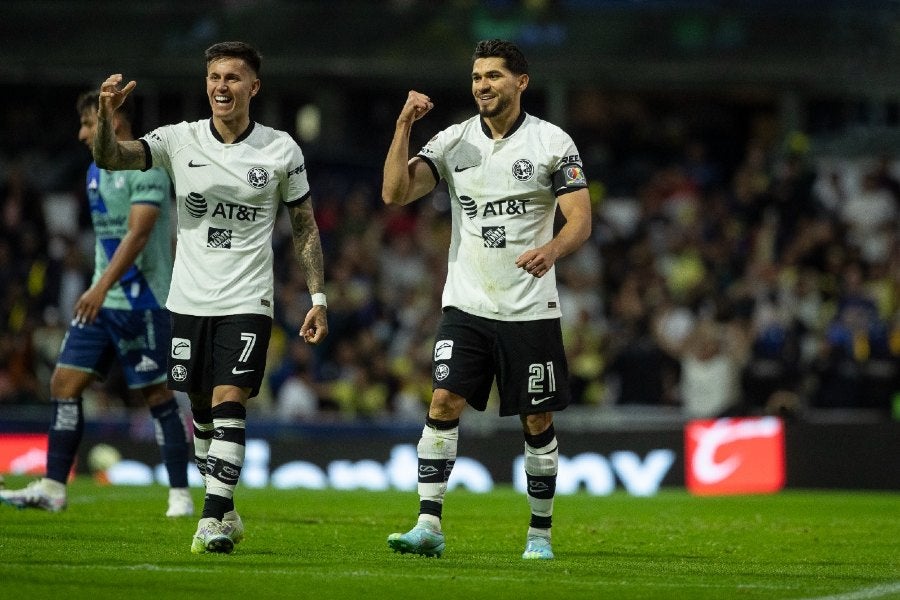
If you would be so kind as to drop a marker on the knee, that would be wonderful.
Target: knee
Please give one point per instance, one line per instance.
(68, 383)
(537, 424)
(446, 405)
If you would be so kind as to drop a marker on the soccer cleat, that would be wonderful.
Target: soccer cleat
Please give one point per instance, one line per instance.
(180, 503)
(35, 495)
(233, 526)
(211, 536)
(421, 539)
(537, 548)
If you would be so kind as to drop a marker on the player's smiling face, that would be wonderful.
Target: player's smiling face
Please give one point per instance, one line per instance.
(496, 89)
(230, 84)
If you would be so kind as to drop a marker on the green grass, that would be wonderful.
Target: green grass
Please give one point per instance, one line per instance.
(113, 542)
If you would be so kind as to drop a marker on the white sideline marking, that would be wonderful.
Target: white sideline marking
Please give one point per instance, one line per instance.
(879, 591)
(328, 573)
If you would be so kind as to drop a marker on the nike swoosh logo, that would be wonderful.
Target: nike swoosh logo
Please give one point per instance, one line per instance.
(536, 401)
(236, 371)
(191, 163)
(460, 169)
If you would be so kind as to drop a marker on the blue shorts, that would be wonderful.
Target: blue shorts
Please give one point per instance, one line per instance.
(138, 338)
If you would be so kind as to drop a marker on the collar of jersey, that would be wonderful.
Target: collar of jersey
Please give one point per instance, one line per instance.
(240, 138)
(512, 130)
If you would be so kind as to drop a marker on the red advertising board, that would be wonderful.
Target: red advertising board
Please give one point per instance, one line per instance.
(734, 456)
(23, 453)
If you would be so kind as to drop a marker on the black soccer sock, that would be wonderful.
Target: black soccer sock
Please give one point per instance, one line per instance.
(225, 458)
(203, 432)
(64, 437)
(172, 440)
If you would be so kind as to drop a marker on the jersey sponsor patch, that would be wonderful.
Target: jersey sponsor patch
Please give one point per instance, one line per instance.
(469, 206)
(574, 176)
(443, 350)
(218, 238)
(196, 205)
(181, 348)
(494, 236)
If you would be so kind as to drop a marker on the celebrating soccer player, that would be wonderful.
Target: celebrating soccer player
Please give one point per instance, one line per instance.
(507, 173)
(230, 175)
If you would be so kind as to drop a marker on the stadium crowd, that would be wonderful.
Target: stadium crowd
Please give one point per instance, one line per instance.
(765, 284)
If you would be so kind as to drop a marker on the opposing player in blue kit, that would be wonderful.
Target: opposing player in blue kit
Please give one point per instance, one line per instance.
(121, 316)
(507, 172)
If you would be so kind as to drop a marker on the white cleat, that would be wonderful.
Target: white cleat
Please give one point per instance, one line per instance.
(180, 503)
(233, 526)
(211, 536)
(37, 494)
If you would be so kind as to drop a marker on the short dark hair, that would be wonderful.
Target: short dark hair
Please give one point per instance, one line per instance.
(91, 99)
(245, 52)
(509, 52)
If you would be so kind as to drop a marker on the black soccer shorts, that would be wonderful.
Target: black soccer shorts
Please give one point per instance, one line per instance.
(527, 358)
(211, 351)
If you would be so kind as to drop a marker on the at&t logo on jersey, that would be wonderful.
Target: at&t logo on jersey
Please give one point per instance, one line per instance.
(195, 204)
(735, 456)
(258, 177)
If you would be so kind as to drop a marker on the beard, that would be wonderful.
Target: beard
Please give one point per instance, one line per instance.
(489, 113)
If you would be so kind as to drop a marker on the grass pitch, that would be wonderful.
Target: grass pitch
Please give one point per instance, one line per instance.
(114, 542)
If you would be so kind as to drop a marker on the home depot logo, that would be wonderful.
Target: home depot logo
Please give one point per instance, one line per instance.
(734, 456)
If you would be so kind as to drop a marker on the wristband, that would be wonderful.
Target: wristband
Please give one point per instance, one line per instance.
(318, 299)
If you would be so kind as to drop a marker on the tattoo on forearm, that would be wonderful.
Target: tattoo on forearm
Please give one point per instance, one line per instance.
(308, 246)
(112, 154)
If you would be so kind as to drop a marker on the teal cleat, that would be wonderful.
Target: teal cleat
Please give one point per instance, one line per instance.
(537, 548)
(418, 540)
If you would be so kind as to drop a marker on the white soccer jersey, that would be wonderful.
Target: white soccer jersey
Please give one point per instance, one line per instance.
(503, 193)
(227, 196)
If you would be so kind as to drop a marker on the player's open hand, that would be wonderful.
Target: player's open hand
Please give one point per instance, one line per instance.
(111, 95)
(315, 325)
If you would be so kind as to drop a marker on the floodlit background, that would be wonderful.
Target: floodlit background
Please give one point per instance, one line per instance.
(743, 165)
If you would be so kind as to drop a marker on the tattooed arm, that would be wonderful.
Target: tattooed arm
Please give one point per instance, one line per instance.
(108, 152)
(308, 248)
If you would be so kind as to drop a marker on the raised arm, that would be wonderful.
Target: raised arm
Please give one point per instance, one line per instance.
(308, 248)
(407, 179)
(110, 153)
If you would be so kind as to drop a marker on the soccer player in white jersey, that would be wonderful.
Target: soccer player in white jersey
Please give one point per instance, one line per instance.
(507, 173)
(120, 317)
(231, 174)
